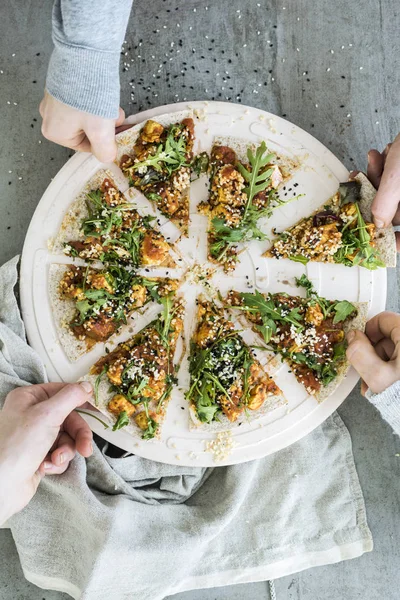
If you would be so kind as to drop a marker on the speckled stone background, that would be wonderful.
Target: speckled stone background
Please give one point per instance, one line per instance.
(331, 68)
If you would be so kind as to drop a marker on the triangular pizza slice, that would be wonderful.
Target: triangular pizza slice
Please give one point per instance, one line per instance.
(102, 225)
(90, 305)
(341, 231)
(133, 383)
(241, 193)
(158, 163)
(308, 333)
(227, 382)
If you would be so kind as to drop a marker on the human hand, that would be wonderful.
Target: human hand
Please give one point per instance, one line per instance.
(375, 354)
(384, 173)
(39, 435)
(78, 130)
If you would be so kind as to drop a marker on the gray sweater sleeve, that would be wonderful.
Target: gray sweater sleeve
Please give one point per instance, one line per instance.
(84, 67)
(388, 404)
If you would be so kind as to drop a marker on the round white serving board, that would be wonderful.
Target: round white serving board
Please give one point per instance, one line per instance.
(317, 179)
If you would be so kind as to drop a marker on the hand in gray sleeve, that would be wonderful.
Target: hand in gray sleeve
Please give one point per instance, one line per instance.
(388, 404)
(84, 67)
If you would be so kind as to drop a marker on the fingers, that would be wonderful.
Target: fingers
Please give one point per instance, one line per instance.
(121, 118)
(65, 451)
(376, 373)
(80, 432)
(385, 349)
(397, 235)
(387, 198)
(57, 408)
(384, 325)
(32, 394)
(101, 135)
(375, 167)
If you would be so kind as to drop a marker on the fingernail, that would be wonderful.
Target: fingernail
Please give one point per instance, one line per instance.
(87, 387)
(379, 223)
(61, 458)
(350, 336)
(48, 465)
(91, 448)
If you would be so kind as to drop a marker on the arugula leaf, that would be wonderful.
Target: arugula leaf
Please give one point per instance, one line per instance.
(343, 310)
(304, 282)
(169, 156)
(300, 259)
(122, 421)
(200, 163)
(269, 311)
(151, 430)
(356, 246)
(259, 178)
(97, 384)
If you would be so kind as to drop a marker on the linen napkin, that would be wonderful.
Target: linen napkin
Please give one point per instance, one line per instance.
(131, 528)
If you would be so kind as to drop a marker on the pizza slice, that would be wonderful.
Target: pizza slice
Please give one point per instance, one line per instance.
(102, 225)
(241, 193)
(226, 381)
(90, 305)
(341, 231)
(159, 165)
(133, 383)
(308, 333)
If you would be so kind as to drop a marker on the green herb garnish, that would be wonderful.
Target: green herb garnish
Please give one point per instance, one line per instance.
(122, 421)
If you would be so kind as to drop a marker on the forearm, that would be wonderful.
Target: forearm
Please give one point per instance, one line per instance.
(84, 67)
(388, 404)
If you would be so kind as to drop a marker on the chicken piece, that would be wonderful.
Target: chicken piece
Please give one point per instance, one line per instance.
(112, 196)
(231, 406)
(151, 132)
(167, 286)
(154, 387)
(115, 371)
(99, 281)
(223, 154)
(119, 403)
(154, 250)
(206, 333)
(348, 211)
(142, 421)
(314, 315)
(232, 216)
(138, 296)
(258, 395)
(100, 328)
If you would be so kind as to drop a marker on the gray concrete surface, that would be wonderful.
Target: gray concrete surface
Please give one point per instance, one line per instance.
(330, 67)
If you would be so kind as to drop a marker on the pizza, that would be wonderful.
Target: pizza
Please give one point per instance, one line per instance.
(109, 285)
(90, 305)
(103, 225)
(133, 383)
(159, 165)
(226, 380)
(240, 194)
(308, 333)
(341, 231)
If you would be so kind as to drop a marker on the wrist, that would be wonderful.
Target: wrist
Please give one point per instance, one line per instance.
(85, 79)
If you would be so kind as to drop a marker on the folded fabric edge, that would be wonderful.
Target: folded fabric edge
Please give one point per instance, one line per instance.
(282, 568)
(53, 583)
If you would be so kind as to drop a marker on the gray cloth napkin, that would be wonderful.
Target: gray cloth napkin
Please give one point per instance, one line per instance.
(130, 528)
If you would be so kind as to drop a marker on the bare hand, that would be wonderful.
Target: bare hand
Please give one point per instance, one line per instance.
(79, 130)
(39, 435)
(375, 354)
(384, 173)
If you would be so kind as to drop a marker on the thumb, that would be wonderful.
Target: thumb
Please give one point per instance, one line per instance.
(102, 140)
(58, 407)
(376, 373)
(387, 198)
